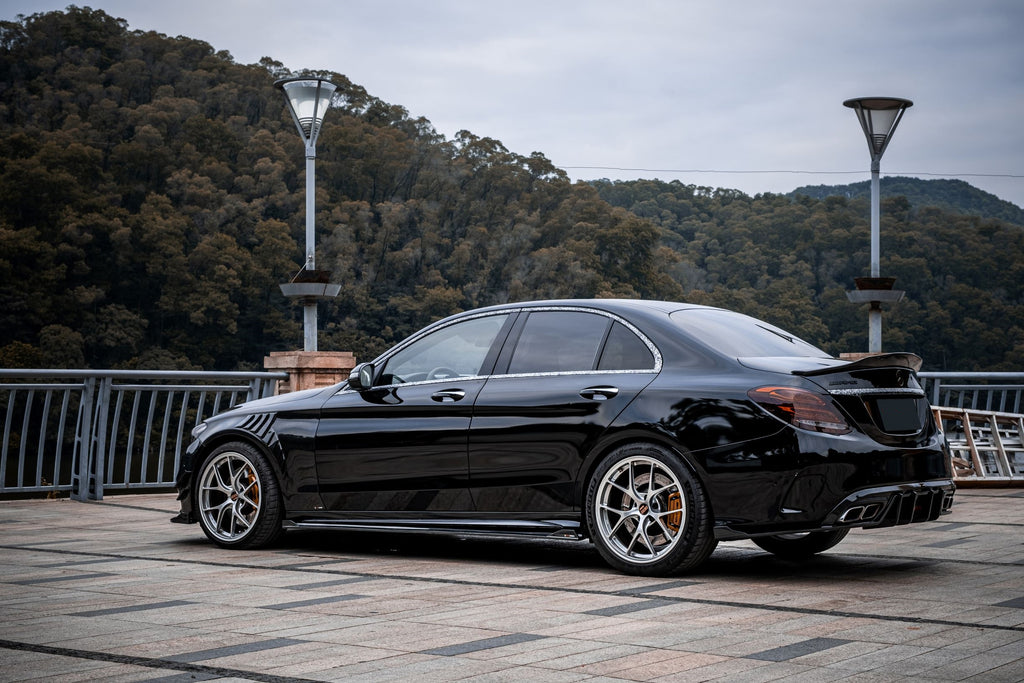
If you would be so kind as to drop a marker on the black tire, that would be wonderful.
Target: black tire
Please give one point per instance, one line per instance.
(647, 514)
(237, 498)
(800, 546)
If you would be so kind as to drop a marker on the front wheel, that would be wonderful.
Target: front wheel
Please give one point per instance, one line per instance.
(800, 546)
(238, 497)
(647, 514)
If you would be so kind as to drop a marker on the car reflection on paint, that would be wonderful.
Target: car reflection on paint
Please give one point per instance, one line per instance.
(655, 429)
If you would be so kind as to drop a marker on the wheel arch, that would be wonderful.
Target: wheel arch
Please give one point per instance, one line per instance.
(226, 436)
(609, 442)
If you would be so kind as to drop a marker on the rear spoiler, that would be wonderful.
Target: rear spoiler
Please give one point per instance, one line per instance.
(909, 361)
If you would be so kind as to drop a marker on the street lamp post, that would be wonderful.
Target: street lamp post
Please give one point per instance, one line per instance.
(878, 117)
(308, 100)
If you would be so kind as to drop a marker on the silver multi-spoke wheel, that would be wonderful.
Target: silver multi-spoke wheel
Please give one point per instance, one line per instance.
(238, 497)
(647, 513)
(639, 509)
(229, 496)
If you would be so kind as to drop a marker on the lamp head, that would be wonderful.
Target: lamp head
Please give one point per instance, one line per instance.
(878, 117)
(308, 101)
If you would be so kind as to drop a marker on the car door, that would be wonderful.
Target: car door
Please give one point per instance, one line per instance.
(554, 392)
(401, 445)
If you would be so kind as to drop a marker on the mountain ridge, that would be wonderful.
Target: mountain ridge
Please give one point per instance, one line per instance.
(950, 194)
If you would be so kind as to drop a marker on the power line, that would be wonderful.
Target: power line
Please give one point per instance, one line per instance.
(739, 172)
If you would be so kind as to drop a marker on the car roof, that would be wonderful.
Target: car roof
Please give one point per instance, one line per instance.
(620, 306)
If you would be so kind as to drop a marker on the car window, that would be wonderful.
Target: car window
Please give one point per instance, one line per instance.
(625, 351)
(457, 350)
(741, 336)
(558, 341)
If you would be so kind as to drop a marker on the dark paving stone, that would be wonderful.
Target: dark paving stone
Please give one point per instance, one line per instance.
(306, 565)
(131, 608)
(217, 652)
(485, 644)
(69, 577)
(1016, 602)
(662, 587)
(327, 584)
(313, 601)
(76, 563)
(628, 608)
(806, 647)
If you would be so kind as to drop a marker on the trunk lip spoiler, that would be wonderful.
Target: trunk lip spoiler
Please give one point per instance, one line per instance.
(909, 361)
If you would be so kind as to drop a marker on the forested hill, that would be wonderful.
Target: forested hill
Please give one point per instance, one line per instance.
(951, 195)
(152, 194)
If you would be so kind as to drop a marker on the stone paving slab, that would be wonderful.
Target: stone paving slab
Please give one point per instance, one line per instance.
(113, 591)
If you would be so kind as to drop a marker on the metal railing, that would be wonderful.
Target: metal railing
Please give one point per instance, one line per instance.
(1001, 392)
(981, 416)
(84, 431)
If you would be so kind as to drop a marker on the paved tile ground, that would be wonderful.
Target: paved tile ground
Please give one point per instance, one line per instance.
(113, 591)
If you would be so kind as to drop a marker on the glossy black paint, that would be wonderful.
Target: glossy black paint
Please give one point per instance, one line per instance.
(529, 436)
(514, 452)
(397, 449)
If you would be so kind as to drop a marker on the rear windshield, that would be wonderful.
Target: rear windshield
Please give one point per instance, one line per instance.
(741, 336)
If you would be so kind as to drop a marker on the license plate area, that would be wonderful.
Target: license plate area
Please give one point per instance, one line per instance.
(897, 415)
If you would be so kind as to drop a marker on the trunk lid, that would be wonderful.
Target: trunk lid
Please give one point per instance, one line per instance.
(880, 394)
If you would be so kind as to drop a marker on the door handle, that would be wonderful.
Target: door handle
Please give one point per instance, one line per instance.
(448, 395)
(599, 393)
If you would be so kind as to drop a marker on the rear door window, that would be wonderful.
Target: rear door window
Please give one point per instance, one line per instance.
(559, 341)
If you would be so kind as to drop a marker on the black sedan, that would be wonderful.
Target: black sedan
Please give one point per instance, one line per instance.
(655, 429)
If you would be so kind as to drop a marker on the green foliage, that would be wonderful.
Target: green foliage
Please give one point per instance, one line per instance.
(951, 195)
(152, 199)
(790, 261)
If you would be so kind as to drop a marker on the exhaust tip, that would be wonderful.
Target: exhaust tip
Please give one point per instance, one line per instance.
(854, 514)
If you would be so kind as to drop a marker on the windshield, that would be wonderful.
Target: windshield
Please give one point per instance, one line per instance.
(741, 336)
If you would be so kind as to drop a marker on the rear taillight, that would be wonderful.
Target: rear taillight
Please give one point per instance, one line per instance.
(801, 408)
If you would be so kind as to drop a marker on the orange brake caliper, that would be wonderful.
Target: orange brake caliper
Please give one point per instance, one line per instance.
(675, 502)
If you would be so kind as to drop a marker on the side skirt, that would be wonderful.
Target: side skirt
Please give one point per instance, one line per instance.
(513, 527)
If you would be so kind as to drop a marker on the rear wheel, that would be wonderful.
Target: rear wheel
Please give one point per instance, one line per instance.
(647, 514)
(238, 496)
(800, 546)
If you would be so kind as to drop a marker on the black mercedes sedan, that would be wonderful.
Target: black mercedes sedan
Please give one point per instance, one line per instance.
(654, 429)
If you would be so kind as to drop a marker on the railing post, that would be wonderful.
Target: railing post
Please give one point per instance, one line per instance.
(80, 479)
(99, 458)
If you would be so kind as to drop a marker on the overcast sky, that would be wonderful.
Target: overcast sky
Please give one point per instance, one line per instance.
(748, 88)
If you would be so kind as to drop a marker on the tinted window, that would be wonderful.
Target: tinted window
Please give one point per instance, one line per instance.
(625, 351)
(559, 341)
(741, 336)
(457, 350)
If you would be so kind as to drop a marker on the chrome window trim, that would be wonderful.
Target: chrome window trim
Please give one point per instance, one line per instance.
(566, 373)
(387, 355)
(658, 359)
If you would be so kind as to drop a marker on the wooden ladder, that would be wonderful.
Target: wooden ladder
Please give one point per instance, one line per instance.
(985, 445)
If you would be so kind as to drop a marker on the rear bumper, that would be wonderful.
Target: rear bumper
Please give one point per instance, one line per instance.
(871, 508)
(894, 505)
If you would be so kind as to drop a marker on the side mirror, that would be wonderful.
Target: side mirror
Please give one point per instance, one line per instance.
(361, 377)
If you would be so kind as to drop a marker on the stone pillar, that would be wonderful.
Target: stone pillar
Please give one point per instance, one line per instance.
(310, 369)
